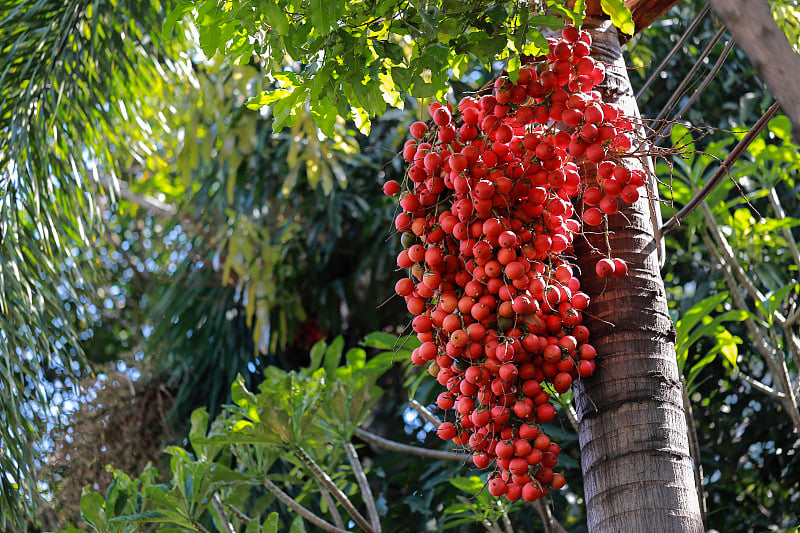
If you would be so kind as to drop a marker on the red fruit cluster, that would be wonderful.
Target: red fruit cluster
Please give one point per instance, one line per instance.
(488, 224)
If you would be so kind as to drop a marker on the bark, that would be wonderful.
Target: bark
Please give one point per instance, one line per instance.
(756, 32)
(632, 431)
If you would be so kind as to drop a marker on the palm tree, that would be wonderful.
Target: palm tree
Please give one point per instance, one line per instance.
(65, 71)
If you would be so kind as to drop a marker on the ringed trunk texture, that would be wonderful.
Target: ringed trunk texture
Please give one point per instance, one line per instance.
(635, 457)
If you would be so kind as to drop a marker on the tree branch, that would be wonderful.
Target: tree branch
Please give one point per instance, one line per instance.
(787, 233)
(424, 412)
(721, 172)
(694, 449)
(774, 59)
(147, 202)
(299, 509)
(326, 481)
(757, 385)
(337, 517)
(689, 31)
(366, 491)
(551, 525)
(223, 517)
(678, 93)
(406, 448)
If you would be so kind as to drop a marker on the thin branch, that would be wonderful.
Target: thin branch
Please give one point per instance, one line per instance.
(147, 202)
(765, 45)
(299, 509)
(694, 449)
(721, 172)
(406, 448)
(326, 481)
(337, 517)
(551, 525)
(424, 412)
(239, 514)
(507, 526)
(678, 93)
(772, 194)
(697, 92)
(366, 491)
(223, 517)
(775, 362)
(757, 385)
(730, 260)
(699, 18)
(572, 417)
(490, 527)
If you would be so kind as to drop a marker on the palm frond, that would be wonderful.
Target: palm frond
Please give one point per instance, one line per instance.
(65, 66)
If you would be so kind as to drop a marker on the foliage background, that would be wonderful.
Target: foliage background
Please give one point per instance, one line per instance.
(182, 238)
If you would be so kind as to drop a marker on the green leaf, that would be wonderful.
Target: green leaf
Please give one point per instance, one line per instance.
(323, 15)
(271, 524)
(777, 298)
(92, 510)
(781, 126)
(240, 395)
(497, 13)
(381, 340)
(579, 10)
(198, 429)
(275, 16)
(546, 21)
(471, 485)
(333, 356)
(558, 7)
(265, 98)
(620, 15)
(316, 354)
(297, 525)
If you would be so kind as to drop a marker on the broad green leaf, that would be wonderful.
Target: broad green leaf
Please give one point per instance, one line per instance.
(620, 15)
(333, 356)
(271, 524)
(267, 97)
(379, 339)
(275, 16)
(323, 15)
(781, 126)
(92, 510)
(777, 298)
(297, 525)
(240, 395)
(546, 21)
(472, 484)
(199, 426)
(316, 354)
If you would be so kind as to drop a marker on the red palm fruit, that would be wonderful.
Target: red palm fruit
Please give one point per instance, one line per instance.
(620, 268)
(497, 487)
(545, 413)
(446, 431)
(586, 368)
(531, 492)
(418, 130)
(518, 466)
(604, 268)
(504, 449)
(481, 459)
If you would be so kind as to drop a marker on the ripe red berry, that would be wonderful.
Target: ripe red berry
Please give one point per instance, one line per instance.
(418, 130)
(604, 268)
(497, 487)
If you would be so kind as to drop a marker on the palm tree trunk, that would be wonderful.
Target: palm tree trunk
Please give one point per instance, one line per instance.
(635, 457)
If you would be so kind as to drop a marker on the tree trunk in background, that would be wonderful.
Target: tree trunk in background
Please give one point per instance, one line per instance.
(633, 437)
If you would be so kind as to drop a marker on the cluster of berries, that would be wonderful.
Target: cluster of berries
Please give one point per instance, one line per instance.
(488, 226)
